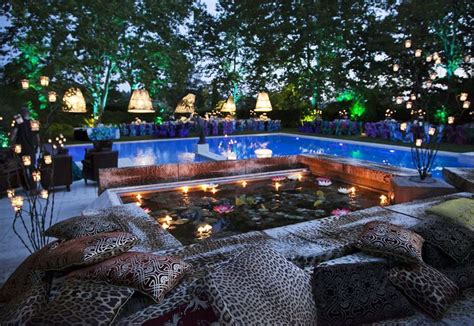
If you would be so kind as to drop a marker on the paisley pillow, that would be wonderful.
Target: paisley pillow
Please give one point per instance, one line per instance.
(85, 250)
(392, 241)
(84, 303)
(152, 275)
(81, 226)
(426, 287)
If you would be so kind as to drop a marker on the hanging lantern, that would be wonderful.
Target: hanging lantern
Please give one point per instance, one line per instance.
(17, 201)
(186, 104)
(26, 159)
(35, 125)
(263, 103)
(463, 96)
(407, 44)
(44, 194)
(52, 96)
(399, 100)
(17, 149)
(466, 105)
(409, 105)
(140, 102)
(36, 175)
(413, 97)
(438, 61)
(44, 81)
(74, 101)
(433, 75)
(47, 159)
(25, 84)
(403, 126)
(429, 58)
(396, 67)
(431, 131)
(450, 120)
(418, 53)
(11, 193)
(418, 142)
(229, 105)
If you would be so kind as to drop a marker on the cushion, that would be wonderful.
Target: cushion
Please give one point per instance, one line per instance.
(28, 302)
(81, 226)
(84, 303)
(426, 287)
(258, 286)
(389, 240)
(152, 275)
(455, 241)
(435, 257)
(85, 250)
(460, 211)
(356, 293)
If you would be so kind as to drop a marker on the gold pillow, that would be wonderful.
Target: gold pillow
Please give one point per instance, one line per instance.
(459, 211)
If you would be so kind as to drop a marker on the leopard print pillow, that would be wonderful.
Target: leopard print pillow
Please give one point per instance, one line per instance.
(85, 250)
(356, 293)
(260, 287)
(152, 275)
(426, 287)
(82, 226)
(392, 241)
(455, 241)
(84, 303)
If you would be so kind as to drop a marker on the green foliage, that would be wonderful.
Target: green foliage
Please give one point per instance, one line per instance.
(59, 128)
(441, 115)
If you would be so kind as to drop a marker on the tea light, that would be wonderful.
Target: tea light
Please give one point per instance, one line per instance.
(403, 126)
(138, 203)
(11, 193)
(165, 226)
(167, 219)
(418, 142)
(204, 187)
(185, 190)
(213, 190)
(44, 194)
(418, 53)
(17, 149)
(52, 96)
(25, 83)
(277, 185)
(35, 125)
(409, 105)
(244, 184)
(26, 160)
(383, 200)
(44, 81)
(431, 131)
(407, 44)
(396, 67)
(36, 175)
(450, 120)
(47, 159)
(466, 105)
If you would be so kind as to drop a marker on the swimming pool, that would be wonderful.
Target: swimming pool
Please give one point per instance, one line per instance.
(182, 150)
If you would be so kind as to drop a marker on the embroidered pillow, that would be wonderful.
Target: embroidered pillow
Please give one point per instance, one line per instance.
(84, 303)
(81, 226)
(85, 250)
(459, 211)
(389, 240)
(426, 287)
(152, 275)
(454, 240)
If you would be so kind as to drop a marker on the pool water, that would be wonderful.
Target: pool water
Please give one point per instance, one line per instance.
(182, 150)
(195, 214)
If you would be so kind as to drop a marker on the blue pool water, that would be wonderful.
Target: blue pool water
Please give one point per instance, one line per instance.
(181, 150)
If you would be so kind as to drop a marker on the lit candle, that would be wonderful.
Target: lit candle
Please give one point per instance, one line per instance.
(403, 126)
(463, 96)
(396, 67)
(407, 44)
(44, 81)
(185, 190)
(204, 187)
(450, 120)
(26, 160)
(418, 53)
(299, 176)
(214, 190)
(409, 105)
(11, 193)
(47, 159)
(204, 230)
(138, 203)
(44, 194)
(52, 96)
(25, 83)
(17, 149)
(36, 175)
(165, 226)
(466, 105)
(418, 142)
(383, 200)
(431, 131)
(244, 184)
(277, 186)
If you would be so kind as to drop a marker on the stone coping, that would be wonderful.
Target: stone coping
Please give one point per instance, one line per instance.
(461, 178)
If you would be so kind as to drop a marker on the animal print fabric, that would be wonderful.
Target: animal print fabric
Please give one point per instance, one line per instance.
(389, 240)
(86, 250)
(81, 226)
(426, 287)
(260, 287)
(454, 240)
(356, 293)
(150, 274)
(20, 310)
(84, 303)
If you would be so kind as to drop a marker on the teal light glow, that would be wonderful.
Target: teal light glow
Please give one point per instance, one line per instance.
(358, 108)
(441, 115)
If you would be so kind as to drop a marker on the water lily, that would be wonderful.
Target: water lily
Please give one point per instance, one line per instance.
(223, 209)
(278, 178)
(340, 211)
(324, 182)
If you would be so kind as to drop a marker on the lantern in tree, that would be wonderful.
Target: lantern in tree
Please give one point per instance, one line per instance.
(399, 100)
(186, 104)
(263, 103)
(17, 149)
(47, 159)
(463, 96)
(26, 159)
(466, 105)
(450, 120)
(140, 102)
(429, 58)
(396, 67)
(25, 83)
(418, 53)
(35, 125)
(409, 105)
(74, 101)
(52, 96)
(44, 81)
(229, 105)
(413, 97)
